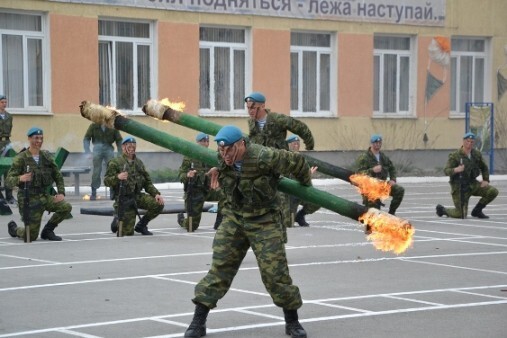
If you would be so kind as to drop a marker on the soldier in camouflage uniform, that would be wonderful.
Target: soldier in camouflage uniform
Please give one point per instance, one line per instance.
(294, 144)
(376, 163)
(192, 174)
(103, 151)
(463, 167)
(270, 129)
(248, 175)
(130, 169)
(5, 141)
(39, 178)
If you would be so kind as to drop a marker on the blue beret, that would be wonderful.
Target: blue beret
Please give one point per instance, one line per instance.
(376, 138)
(228, 135)
(469, 135)
(201, 136)
(255, 97)
(292, 138)
(34, 131)
(3, 97)
(128, 139)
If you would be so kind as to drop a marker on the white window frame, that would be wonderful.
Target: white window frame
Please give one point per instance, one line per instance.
(456, 57)
(150, 42)
(381, 53)
(43, 36)
(211, 45)
(331, 51)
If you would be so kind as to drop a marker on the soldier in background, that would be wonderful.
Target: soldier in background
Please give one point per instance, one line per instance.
(131, 170)
(294, 144)
(248, 175)
(375, 163)
(192, 174)
(463, 167)
(43, 172)
(270, 129)
(103, 151)
(5, 141)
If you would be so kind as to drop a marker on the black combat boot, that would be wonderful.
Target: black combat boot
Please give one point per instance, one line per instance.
(292, 326)
(300, 218)
(181, 219)
(392, 212)
(48, 232)
(197, 327)
(93, 197)
(114, 225)
(12, 226)
(477, 212)
(218, 220)
(142, 227)
(441, 210)
(8, 196)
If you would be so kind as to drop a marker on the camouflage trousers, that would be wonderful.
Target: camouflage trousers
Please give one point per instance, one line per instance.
(100, 157)
(487, 195)
(232, 240)
(142, 201)
(39, 204)
(397, 193)
(194, 203)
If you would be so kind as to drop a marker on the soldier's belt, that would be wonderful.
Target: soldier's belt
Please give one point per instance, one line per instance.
(4, 138)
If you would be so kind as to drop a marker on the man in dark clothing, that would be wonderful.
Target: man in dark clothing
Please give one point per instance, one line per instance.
(103, 151)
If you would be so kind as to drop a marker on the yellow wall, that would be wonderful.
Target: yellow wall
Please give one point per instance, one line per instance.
(74, 71)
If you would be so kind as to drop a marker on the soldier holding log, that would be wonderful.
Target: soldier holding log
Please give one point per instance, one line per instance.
(248, 175)
(136, 179)
(43, 173)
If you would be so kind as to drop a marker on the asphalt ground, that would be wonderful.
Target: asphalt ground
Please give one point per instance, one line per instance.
(451, 283)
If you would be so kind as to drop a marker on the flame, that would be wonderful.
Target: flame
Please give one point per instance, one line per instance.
(86, 198)
(388, 232)
(178, 106)
(371, 187)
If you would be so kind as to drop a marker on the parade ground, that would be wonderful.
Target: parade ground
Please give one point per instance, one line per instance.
(451, 283)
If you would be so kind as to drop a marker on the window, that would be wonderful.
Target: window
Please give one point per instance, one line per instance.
(222, 70)
(310, 72)
(468, 58)
(392, 69)
(23, 78)
(125, 59)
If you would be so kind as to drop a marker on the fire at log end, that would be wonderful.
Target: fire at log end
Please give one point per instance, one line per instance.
(98, 114)
(164, 109)
(388, 232)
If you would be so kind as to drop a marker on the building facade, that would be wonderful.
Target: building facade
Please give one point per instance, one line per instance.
(404, 69)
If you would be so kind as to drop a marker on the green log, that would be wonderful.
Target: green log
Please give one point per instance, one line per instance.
(342, 206)
(211, 128)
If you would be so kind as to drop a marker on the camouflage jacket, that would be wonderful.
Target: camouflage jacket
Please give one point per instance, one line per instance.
(102, 140)
(6, 125)
(474, 166)
(138, 177)
(274, 132)
(200, 179)
(44, 173)
(367, 160)
(251, 192)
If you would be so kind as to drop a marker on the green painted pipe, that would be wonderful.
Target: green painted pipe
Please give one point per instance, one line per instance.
(113, 119)
(156, 109)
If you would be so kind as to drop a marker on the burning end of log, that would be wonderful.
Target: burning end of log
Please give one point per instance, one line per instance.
(99, 114)
(388, 232)
(157, 109)
(371, 187)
